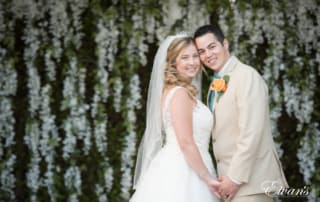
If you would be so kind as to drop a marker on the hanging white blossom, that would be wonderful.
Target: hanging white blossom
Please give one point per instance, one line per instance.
(72, 180)
(22, 9)
(32, 128)
(171, 12)
(33, 175)
(309, 151)
(102, 197)
(196, 16)
(6, 126)
(8, 87)
(76, 125)
(130, 138)
(136, 46)
(299, 103)
(108, 178)
(49, 139)
(77, 8)
(117, 88)
(7, 178)
(59, 26)
(127, 164)
(50, 66)
(107, 41)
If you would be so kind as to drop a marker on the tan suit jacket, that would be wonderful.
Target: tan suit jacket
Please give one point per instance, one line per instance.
(242, 142)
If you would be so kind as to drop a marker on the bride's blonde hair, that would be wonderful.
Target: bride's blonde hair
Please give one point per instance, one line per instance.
(171, 76)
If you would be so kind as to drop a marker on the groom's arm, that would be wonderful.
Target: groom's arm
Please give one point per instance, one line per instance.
(252, 98)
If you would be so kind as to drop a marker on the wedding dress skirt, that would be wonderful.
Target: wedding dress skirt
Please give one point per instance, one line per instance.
(169, 177)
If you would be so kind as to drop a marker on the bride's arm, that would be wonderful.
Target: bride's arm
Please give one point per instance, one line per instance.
(181, 108)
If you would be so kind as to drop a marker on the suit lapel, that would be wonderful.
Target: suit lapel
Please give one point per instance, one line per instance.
(231, 66)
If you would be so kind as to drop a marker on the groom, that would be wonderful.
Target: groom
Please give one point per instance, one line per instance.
(242, 142)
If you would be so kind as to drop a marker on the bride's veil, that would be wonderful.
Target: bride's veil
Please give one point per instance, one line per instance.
(152, 138)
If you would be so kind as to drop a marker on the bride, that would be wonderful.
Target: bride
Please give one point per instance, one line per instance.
(173, 163)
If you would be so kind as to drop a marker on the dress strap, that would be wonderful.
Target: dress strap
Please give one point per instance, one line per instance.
(169, 96)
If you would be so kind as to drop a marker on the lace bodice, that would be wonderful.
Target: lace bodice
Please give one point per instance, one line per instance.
(202, 121)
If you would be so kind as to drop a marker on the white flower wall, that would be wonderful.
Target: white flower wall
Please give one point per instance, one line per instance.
(74, 77)
(288, 36)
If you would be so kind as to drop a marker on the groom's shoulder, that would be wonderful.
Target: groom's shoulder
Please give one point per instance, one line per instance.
(248, 73)
(247, 70)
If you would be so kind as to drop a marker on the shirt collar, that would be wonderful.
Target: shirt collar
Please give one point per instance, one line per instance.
(225, 67)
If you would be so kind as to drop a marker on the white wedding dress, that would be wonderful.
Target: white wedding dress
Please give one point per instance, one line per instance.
(169, 177)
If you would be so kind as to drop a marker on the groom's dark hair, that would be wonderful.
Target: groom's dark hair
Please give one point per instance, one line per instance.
(213, 29)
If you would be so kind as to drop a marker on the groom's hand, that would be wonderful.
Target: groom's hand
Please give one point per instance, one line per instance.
(228, 188)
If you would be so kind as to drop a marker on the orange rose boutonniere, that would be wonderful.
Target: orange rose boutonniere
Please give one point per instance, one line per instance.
(219, 85)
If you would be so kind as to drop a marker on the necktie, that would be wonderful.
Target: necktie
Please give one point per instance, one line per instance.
(212, 92)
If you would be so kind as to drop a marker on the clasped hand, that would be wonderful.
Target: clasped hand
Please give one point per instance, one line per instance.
(223, 188)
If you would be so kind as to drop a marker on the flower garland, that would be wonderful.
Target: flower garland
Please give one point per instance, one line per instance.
(7, 179)
(133, 103)
(8, 83)
(106, 41)
(117, 95)
(59, 23)
(76, 125)
(307, 155)
(49, 140)
(299, 103)
(77, 8)
(171, 12)
(50, 66)
(195, 15)
(32, 128)
(72, 180)
(33, 175)
(309, 151)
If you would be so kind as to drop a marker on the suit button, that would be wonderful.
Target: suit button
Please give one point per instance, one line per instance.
(218, 161)
(213, 140)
